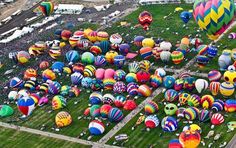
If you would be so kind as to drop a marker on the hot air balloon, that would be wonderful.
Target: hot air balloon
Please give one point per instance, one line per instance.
(165, 56)
(46, 8)
(160, 72)
(23, 57)
(29, 73)
(58, 102)
(119, 87)
(144, 90)
(180, 112)
(155, 81)
(204, 115)
(131, 77)
(66, 34)
(145, 65)
(143, 76)
(177, 57)
(89, 71)
(191, 113)
(230, 75)
(145, 52)
(145, 19)
(129, 105)
(214, 88)
(202, 60)
(138, 40)
(124, 49)
(63, 119)
(218, 105)
(185, 16)
(202, 49)
(48, 75)
(119, 61)
(214, 75)
(151, 121)
(87, 58)
(179, 84)
(207, 101)
(190, 139)
(119, 101)
(26, 105)
(16, 83)
(156, 51)
(169, 124)
(119, 75)
(108, 99)
(72, 56)
(201, 85)
(232, 35)
(92, 36)
(226, 89)
(230, 105)
(96, 127)
(95, 111)
(171, 95)
(224, 60)
(189, 83)
(213, 17)
(132, 89)
(95, 98)
(194, 100)
(54, 87)
(110, 55)
(174, 143)
(104, 110)
(100, 61)
(165, 46)
(58, 67)
(217, 119)
(168, 81)
(212, 51)
(183, 98)
(76, 78)
(102, 36)
(6, 111)
(151, 107)
(134, 67)
(115, 115)
(170, 109)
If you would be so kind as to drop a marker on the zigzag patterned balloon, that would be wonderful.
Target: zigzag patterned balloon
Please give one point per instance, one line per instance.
(214, 16)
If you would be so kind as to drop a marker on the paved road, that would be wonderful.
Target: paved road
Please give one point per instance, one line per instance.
(19, 21)
(57, 136)
(232, 143)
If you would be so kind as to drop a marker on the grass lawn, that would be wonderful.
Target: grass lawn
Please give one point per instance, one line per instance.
(12, 138)
(156, 137)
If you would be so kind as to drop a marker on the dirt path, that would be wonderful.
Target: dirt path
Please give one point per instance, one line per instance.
(11, 8)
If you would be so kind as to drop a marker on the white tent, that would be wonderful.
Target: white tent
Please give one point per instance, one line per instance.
(69, 9)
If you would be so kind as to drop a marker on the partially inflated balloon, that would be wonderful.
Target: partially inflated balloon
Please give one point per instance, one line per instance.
(217, 119)
(230, 105)
(145, 19)
(214, 16)
(46, 8)
(26, 105)
(151, 107)
(185, 16)
(96, 127)
(207, 101)
(151, 121)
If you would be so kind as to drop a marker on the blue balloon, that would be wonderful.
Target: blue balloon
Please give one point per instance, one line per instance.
(72, 56)
(119, 61)
(58, 67)
(212, 51)
(185, 16)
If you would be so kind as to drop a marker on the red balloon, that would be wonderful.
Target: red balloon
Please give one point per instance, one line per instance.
(143, 76)
(130, 105)
(145, 19)
(217, 119)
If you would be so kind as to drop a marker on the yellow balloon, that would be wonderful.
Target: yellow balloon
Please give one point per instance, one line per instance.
(226, 89)
(148, 42)
(195, 127)
(87, 31)
(63, 119)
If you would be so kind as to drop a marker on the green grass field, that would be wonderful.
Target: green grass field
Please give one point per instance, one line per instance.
(158, 29)
(156, 137)
(11, 138)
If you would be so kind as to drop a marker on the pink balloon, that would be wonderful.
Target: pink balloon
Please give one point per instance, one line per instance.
(100, 73)
(109, 73)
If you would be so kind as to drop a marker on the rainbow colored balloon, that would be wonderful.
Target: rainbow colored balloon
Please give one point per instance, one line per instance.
(202, 49)
(104, 110)
(151, 107)
(47, 8)
(58, 102)
(183, 98)
(171, 95)
(194, 100)
(213, 16)
(207, 101)
(230, 105)
(204, 115)
(177, 57)
(115, 115)
(95, 111)
(132, 88)
(191, 113)
(155, 81)
(214, 75)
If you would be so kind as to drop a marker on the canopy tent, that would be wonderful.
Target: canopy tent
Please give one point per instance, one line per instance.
(69, 9)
